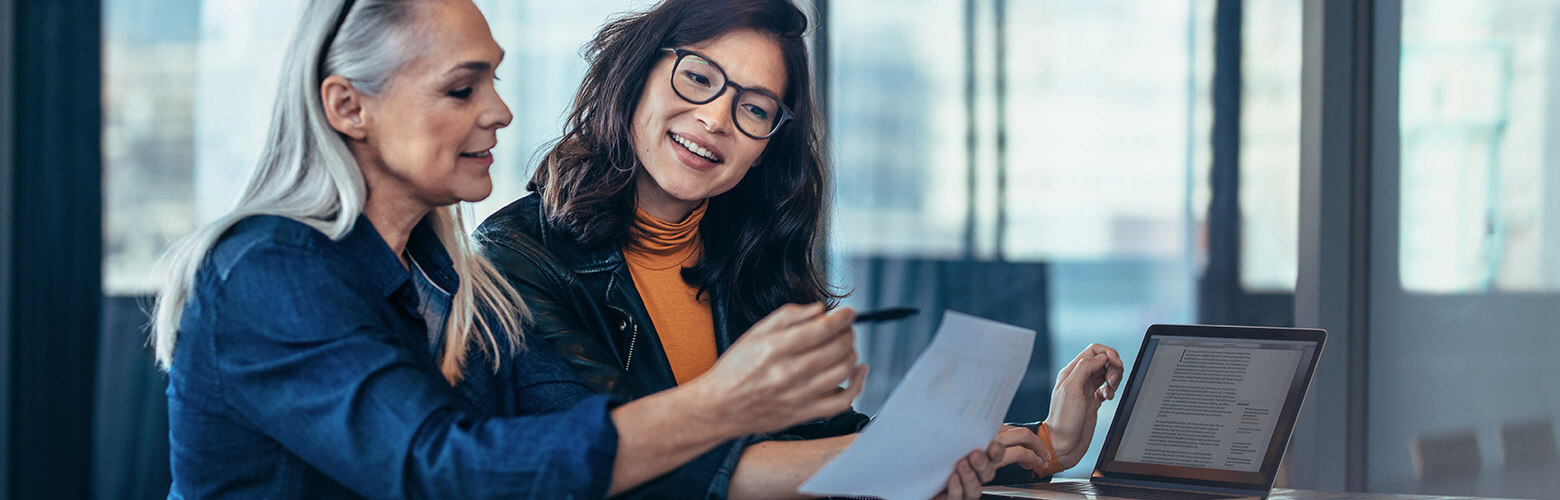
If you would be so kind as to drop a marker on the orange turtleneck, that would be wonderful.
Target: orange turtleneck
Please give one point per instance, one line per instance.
(656, 256)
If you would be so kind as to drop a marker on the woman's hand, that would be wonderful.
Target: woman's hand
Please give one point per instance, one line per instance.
(1081, 387)
(786, 370)
(1023, 448)
(973, 470)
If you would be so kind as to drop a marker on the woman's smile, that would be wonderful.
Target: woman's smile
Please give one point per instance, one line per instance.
(483, 158)
(695, 153)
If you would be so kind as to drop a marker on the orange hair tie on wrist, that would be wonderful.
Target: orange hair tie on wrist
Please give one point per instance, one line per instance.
(1054, 464)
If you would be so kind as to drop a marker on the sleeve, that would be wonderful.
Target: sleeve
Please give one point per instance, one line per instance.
(554, 315)
(309, 360)
(707, 477)
(848, 422)
(561, 338)
(555, 319)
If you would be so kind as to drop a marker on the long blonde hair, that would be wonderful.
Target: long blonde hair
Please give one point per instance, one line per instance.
(307, 173)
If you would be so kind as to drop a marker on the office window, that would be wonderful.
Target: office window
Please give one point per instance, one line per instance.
(189, 86)
(1480, 173)
(1270, 145)
(1043, 163)
(898, 127)
(150, 49)
(1462, 379)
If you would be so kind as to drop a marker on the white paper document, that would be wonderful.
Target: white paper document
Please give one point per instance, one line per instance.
(950, 403)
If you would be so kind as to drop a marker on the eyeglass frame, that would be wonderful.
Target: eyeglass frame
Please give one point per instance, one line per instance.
(785, 111)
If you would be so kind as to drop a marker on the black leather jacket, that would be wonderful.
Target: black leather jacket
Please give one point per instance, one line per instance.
(583, 301)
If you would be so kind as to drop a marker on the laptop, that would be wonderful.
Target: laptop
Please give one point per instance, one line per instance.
(1205, 414)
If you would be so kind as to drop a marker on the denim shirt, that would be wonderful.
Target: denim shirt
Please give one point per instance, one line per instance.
(305, 368)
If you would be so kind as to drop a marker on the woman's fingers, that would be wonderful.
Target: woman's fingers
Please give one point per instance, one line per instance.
(1022, 447)
(833, 373)
(1021, 456)
(1109, 352)
(986, 463)
(973, 470)
(819, 330)
(969, 481)
(1114, 369)
(839, 400)
(787, 369)
(837, 351)
(787, 315)
(1020, 436)
(1110, 368)
(859, 378)
(1091, 377)
(796, 328)
(955, 486)
(1066, 371)
(1096, 371)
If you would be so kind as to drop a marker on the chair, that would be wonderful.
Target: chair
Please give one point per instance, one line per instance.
(1527, 442)
(1446, 456)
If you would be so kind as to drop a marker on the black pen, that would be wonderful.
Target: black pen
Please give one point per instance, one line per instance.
(886, 314)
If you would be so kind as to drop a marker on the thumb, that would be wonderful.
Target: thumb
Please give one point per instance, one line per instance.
(1022, 456)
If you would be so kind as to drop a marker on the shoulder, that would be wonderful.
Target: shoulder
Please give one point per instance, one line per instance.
(523, 228)
(522, 218)
(261, 235)
(273, 256)
(281, 278)
(512, 239)
(517, 230)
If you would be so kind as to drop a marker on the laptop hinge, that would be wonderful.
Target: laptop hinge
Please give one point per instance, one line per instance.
(1162, 485)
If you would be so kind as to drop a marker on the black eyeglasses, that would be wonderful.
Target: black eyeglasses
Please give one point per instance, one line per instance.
(696, 79)
(330, 38)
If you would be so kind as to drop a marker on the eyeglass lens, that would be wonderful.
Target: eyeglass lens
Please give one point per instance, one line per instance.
(699, 81)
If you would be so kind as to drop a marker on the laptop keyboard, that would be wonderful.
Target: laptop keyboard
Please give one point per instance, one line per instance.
(1111, 490)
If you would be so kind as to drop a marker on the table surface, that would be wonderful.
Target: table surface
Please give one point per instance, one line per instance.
(1288, 494)
(1292, 494)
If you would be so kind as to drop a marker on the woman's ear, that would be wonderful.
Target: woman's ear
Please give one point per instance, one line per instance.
(343, 106)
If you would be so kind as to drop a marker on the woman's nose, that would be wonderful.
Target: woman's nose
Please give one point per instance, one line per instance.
(716, 114)
(498, 116)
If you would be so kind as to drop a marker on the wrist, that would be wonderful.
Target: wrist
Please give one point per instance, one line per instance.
(1062, 446)
(709, 409)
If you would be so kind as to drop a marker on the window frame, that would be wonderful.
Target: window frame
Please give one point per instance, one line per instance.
(1222, 299)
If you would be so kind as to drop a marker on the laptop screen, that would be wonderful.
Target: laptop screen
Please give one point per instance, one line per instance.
(1210, 406)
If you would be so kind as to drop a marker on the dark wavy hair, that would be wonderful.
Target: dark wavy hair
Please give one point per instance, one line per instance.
(761, 238)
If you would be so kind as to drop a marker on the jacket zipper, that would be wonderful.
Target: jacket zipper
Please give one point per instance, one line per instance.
(633, 338)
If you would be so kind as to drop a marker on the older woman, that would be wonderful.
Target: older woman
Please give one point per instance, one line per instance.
(336, 335)
(684, 201)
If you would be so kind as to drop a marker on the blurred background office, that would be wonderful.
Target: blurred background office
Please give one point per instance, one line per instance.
(1386, 169)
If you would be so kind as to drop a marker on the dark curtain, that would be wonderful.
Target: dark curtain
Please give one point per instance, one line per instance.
(131, 416)
(54, 243)
(1016, 293)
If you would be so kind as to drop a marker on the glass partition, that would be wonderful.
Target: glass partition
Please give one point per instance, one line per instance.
(1464, 389)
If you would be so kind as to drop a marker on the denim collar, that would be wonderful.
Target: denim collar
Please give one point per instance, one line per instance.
(383, 268)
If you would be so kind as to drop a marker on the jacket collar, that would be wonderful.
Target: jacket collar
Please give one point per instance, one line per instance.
(383, 268)
(564, 247)
(525, 218)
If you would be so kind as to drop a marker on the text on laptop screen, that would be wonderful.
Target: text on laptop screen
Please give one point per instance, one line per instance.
(1207, 408)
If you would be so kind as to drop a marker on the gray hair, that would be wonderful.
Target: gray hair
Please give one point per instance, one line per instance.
(307, 173)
